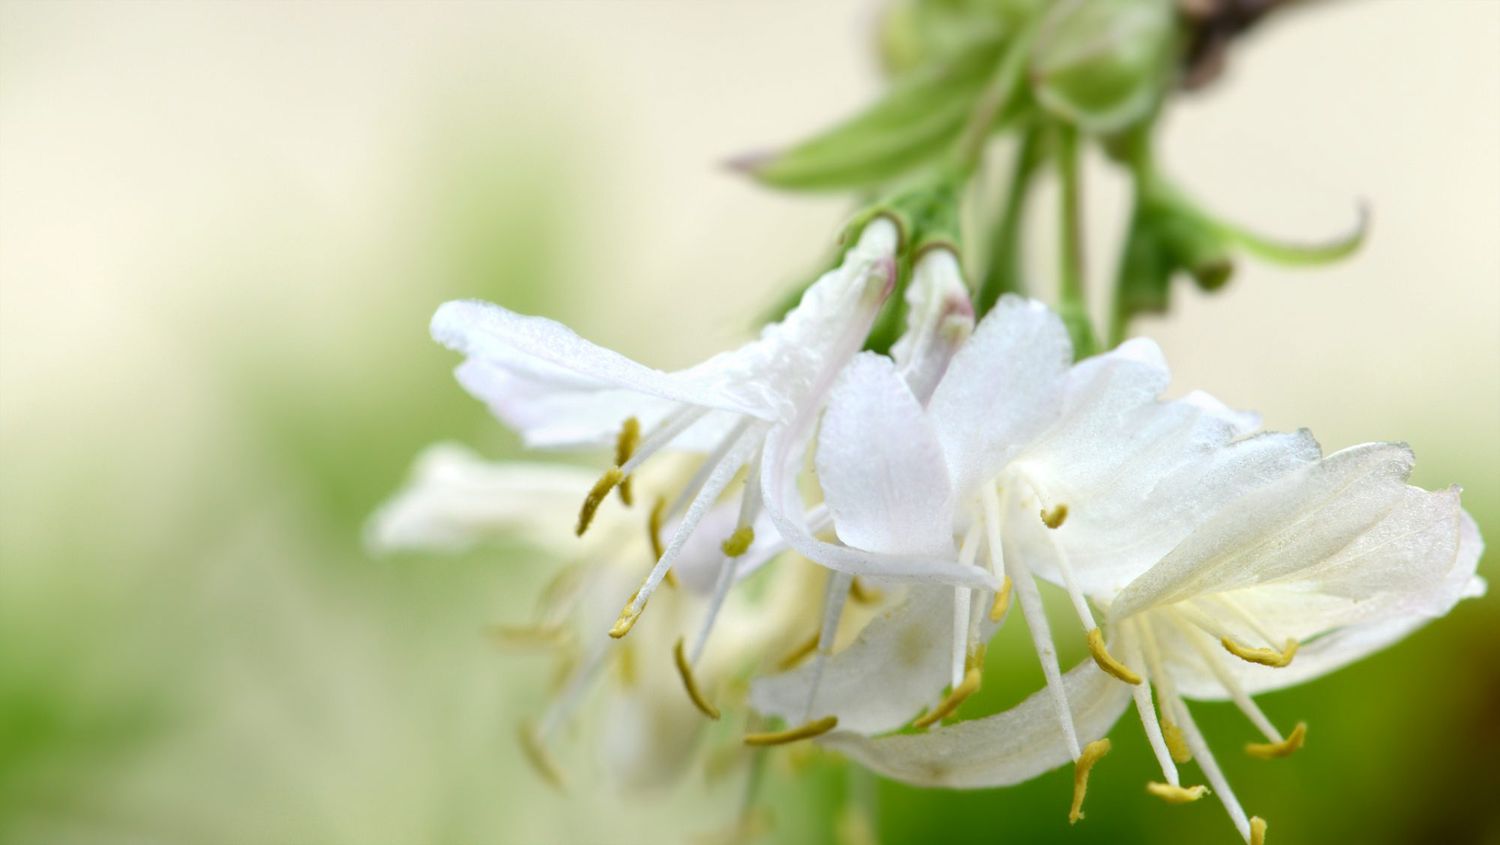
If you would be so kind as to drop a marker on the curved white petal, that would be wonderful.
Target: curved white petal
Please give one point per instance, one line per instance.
(784, 450)
(1176, 471)
(1002, 388)
(546, 351)
(881, 466)
(1292, 524)
(1412, 568)
(456, 499)
(897, 665)
(998, 750)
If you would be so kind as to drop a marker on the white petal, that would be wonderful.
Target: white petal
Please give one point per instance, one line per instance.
(1137, 494)
(881, 466)
(897, 666)
(1242, 422)
(1002, 388)
(455, 499)
(998, 750)
(1294, 523)
(546, 351)
(785, 448)
(1414, 566)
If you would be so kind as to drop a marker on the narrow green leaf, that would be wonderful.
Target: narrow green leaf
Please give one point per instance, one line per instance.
(914, 123)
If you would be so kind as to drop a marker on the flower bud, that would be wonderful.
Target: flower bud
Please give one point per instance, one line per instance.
(1103, 65)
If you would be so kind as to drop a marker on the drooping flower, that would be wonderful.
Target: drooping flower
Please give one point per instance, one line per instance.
(559, 390)
(1014, 441)
(456, 500)
(1311, 569)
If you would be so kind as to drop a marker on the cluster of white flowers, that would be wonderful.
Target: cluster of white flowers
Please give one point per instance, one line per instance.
(976, 463)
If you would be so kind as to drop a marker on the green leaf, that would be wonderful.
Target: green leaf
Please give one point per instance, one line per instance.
(913, 124)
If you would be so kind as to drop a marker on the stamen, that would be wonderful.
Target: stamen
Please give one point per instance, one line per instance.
(1214, 660)
(691, 683)
(1264, 656)
(1285, 748)
(1199, 746)
(963, 606)
(1176, 794)
(862, 594)
(1055, 516)
(723, 464)
(528, 636)
(1176, 743)
(1091, 754)
(951, 702)
(739, 542)
(653, 529)
(537, 756)
(1144, 706)
(809, 730)
(1107, 662)
(1172, 735)
(1257, 830)
(595, 497)
(835, 596)
(665, 432)
(630, 437)
(628, 615)
(803, 649)
(1041, 640)
(1002, 601)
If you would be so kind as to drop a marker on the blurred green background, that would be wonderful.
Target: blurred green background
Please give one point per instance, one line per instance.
(223, 229)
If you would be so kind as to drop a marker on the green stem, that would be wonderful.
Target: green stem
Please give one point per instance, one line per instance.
(1072, 304)
(1137, 156)
(1002, 90)
(1002, 275)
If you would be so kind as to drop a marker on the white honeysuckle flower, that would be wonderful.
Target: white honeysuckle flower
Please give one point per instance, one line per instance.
(559, 390)
(1014, 444)
(1340, 554)
(456, 500)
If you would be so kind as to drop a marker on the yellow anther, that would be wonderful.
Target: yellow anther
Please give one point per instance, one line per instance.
(626, 666)
(739, 542)
(627, 618)
(1107, 662)
(1002, 601)
(653, 527)
(528, 636)
(817, 727)
(1091, 754)
(1257, 830)
(691, 683)
(974, 660)
(1264, 656)
(1055, 516)
(537, 756)
(630, 437)
(1176, 743)
(595, 497)
(1285, 748)
(967, 687)
(1176, 794)
(862, 594)
(803, 649)
(653, 530)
